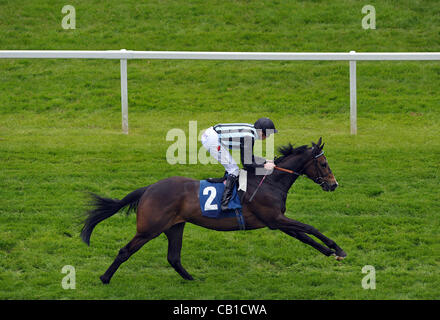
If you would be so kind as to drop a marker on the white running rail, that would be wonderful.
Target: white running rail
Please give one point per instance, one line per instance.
(124, 55)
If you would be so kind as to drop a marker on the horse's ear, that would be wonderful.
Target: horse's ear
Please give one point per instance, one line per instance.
(319, 142)
(322, 147)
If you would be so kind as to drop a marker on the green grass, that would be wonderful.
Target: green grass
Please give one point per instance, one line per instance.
(60, 137)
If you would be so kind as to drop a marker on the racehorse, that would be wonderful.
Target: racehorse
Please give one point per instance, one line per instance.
(165, 207)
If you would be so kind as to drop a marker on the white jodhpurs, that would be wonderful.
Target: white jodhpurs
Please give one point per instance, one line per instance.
(211, 142)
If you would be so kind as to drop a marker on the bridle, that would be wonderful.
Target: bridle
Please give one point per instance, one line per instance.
(318, 180)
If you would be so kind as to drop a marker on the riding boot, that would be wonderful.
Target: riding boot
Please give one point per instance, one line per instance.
(227, 193)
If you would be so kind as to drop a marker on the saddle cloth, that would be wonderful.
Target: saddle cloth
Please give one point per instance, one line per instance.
(210, 196)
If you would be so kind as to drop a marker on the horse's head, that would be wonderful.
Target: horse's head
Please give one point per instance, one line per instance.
(310, 162)
(317, 168)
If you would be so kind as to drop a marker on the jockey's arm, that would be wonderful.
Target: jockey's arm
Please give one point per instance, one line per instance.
(247, 157)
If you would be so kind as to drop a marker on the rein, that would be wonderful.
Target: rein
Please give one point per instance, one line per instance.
(286, 170)
(299, 174)
(293, 172)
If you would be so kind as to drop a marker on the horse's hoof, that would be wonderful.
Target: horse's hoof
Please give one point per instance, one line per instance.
(341, 253)
(104, 280)
(338, 258)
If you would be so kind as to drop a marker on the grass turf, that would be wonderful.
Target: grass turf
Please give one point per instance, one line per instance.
(60, 137)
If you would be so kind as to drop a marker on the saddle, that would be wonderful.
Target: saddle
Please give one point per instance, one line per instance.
(242, 181)
(210, 194)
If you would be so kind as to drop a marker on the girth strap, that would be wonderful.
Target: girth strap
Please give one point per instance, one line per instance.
(240, 219)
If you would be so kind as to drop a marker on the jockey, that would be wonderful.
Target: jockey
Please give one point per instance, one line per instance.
(221, 137)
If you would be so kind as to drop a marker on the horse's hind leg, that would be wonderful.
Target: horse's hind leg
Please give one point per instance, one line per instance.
(126, 252)
(174, 235)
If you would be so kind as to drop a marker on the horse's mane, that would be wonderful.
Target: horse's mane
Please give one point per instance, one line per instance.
(289, 150)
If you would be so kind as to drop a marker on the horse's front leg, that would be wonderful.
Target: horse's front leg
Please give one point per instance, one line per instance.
(298, 230)
(339, 253)
(307, 240)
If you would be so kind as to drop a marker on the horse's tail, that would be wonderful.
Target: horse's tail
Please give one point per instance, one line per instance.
(105, 207)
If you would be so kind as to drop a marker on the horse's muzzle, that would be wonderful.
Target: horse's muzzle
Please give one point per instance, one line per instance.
(326, 186)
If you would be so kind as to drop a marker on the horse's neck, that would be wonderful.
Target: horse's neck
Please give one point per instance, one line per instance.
(278, 179)
(283, 179)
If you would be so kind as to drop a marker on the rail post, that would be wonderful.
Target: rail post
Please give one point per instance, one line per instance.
(353, 103)
(124, 95)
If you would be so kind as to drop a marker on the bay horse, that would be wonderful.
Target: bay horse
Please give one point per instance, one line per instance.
(165, 207)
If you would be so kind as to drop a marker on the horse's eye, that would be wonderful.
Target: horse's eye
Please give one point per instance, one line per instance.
(324, 165)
